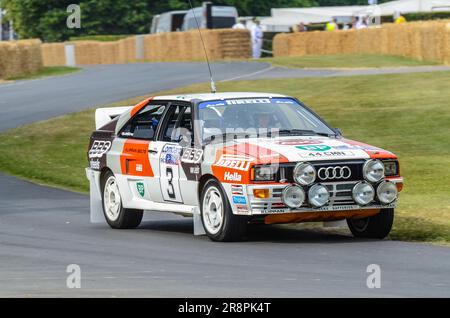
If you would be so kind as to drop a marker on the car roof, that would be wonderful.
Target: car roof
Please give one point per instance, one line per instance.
(217, 96)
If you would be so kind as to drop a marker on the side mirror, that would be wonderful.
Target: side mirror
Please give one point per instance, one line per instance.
(337, 131)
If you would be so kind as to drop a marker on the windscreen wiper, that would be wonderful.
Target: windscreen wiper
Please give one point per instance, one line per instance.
(225, 137)
(303, 132)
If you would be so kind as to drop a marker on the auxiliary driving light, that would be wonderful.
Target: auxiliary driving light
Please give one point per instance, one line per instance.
(304, 173)
(318, 195)
(387, 192)
(363, 193)
(373, 170)
(293, 196)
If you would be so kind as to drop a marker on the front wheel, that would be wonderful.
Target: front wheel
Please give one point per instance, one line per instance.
(377, 226)
(218, 219)
(116, 216)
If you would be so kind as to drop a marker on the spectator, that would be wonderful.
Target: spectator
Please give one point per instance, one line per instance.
(332, 25)
(257, 38)
(354, 22)
(240, 25)
(399, 18)
(302, 27)
(362, 23)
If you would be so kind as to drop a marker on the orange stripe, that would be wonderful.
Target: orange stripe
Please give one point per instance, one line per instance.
(141, 105)
(134, 160)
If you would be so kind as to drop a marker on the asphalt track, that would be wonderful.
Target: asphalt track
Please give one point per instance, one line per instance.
(43, 230)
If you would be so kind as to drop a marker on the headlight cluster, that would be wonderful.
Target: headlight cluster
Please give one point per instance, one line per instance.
(363, 193)
(294, 196)
(304, 173)
(373, 170)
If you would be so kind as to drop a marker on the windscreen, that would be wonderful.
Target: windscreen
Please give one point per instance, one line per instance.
(257, 116)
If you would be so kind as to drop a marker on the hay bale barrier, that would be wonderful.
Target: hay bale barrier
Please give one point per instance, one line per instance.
(20, 58)
(425, 41)
(220, 44)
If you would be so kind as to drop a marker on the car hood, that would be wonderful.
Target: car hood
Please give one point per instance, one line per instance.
(304, 148)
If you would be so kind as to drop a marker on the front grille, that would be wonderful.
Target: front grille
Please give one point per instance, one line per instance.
(286, 171)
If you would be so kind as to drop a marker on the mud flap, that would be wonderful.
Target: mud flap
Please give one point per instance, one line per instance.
(198, 224)
(96, 208)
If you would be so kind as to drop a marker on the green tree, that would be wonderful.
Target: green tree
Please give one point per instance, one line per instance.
(47, 19)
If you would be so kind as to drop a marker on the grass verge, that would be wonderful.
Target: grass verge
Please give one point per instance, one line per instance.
(405, 113)
(346, 61)
(46, 72)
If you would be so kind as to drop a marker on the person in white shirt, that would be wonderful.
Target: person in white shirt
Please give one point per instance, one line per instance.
(240, 25)
(257, 39)
(361, 24)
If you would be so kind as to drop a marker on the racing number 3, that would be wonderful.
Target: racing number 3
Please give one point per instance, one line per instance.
(170, 189)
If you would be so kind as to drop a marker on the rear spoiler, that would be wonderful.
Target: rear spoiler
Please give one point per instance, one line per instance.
(105, 115)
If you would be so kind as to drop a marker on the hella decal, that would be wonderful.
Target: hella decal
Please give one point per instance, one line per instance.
(228, 176)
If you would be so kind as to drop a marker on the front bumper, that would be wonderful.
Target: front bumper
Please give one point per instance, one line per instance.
(340, 199)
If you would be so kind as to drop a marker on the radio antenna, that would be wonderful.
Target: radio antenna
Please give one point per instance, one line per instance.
(213, 85)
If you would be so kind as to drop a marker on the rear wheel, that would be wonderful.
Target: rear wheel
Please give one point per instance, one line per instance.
(377, 226)
(218, 219)
(116, 216)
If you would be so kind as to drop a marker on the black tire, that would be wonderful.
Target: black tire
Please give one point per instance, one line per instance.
(374, 227)
(127, 218)
(233, 227)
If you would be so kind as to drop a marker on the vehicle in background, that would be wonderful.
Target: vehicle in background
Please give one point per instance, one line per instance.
(222, 17)
(171, 21)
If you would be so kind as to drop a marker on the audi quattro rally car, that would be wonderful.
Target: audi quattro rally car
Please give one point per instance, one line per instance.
(232, 159)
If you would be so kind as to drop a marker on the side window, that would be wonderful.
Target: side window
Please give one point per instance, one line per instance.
(178, 126)
(144, 124)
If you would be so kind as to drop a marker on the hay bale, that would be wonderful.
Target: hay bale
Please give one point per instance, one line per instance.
(20, 58)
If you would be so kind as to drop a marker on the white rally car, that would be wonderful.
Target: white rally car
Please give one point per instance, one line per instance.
(231, 159)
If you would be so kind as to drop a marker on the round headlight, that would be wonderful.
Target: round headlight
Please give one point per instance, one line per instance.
(304, 173)
(373, 170)
(363, 193)
(387, 192)
(293, 196)
(318, 195)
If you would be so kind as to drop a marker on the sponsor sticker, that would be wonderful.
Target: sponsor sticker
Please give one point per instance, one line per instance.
(327, 154)
(235, 162)
(94, 164)
(99, 148)
(237, 190)
(229, 176)
(240, 208)
(171, 155)
(248, 101)
(194, 170)
(140, 188)
(191, 155)
(314, 147)
(239, 199)
(355, 147)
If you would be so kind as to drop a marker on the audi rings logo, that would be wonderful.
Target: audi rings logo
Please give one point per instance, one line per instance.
(331, 173)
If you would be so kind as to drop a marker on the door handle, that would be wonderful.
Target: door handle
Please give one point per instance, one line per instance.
(153, 151)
